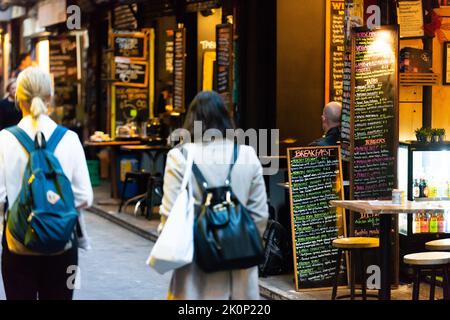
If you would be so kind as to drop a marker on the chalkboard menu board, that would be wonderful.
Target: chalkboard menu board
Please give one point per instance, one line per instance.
(131, 104)
(335, 50)
(374, 119)
(124, 18)
(130, 72)
(130, 46)
(315, 178)
(224, 58)
(179, 70)
(200, 5)
(63, 58)
(63, 67)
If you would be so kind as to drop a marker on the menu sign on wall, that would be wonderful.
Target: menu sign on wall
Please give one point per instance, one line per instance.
(224, 59)
(335, 50)
(63, 66)
(130, 46)
(63, 58)
(130, 72)
(315, 179)
(374, 119)
(179, 70)
(346, 107)
(131, 104)
(410, 18)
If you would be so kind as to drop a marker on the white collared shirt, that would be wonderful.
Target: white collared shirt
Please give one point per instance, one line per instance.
(69, 152)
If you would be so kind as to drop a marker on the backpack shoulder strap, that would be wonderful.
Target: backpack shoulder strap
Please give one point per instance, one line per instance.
(235, 156)
(201, 179)
(55, 138)
(23, 138)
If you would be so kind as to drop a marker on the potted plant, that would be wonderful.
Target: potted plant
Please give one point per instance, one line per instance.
(440, 134)
(434, 135)
(423, 135)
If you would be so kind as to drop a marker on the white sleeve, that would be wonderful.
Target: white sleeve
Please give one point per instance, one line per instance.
(81, 182)
(2, 180)
(173, 177)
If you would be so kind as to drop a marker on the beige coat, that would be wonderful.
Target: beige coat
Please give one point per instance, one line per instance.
(248, 185)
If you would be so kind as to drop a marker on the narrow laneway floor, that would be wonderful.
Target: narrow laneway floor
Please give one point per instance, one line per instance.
(115, 266)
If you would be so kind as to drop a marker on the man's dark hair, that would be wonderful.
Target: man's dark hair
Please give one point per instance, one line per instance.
(209, 108)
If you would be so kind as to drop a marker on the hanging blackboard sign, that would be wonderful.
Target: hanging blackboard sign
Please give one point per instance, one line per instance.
(130, 72)
(315, 178)
(131, 104)
(179, 67)
(347, 94)
(132, 46)
(63, 58)
(374, 119)
(224, 60)
(335, 50)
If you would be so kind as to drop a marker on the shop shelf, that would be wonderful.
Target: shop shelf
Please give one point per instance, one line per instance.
(432, 199)
(419, 79)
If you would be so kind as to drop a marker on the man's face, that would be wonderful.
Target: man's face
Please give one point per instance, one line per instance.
(324, 123)
(12, 90)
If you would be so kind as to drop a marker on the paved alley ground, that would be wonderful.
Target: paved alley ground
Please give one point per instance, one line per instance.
(115, 266)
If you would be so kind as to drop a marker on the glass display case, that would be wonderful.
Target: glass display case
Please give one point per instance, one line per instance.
(424, 173)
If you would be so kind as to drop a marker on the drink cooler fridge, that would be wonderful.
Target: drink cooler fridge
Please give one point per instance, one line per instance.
(429, 161)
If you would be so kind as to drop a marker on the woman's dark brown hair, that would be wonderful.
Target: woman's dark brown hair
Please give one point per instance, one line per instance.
(208, 108)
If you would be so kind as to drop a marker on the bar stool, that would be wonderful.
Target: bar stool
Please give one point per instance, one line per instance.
(142, 178)
(438, 245)
(353, 245)
(429, 261)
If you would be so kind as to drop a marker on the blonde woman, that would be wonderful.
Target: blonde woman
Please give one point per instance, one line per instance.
(31, 277)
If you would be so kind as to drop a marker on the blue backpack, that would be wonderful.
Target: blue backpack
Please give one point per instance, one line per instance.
(43, 218)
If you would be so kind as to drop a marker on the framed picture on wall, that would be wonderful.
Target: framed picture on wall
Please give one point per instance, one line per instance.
(446, 64)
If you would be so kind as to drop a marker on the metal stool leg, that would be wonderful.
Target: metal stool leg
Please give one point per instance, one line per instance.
(433, 283)
(124, 188)
(416, 285)
(353, 274)
(446, 283)
(363, 274)
(336, 275)
(149, 204)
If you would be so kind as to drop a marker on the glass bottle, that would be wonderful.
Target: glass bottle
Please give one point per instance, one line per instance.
(426, 189)
(433, 223)
(441, 223)
(424, 225)
(421, 188)
(417, 223)
(416, 189)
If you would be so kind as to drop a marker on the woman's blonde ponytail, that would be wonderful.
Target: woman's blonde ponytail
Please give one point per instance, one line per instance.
(38, 107)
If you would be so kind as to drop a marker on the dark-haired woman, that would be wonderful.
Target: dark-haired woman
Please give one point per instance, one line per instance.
(213, 159)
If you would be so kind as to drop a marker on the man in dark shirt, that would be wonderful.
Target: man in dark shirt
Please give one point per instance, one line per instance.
(10, 114)
(331, 122)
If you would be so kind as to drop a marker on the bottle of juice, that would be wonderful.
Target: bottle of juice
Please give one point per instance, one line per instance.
(433, 223)
(432, 188)
(441, 223)
(424, 225)
(417, 223)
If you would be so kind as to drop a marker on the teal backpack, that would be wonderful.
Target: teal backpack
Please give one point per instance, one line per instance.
(43, 218)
